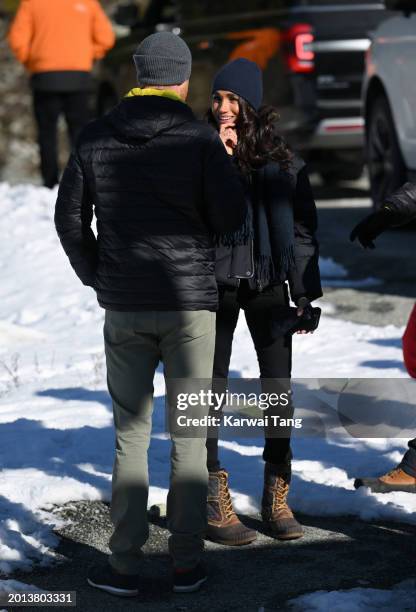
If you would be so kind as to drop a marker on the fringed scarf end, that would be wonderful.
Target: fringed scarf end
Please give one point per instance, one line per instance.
(287, 258)
(232, 239)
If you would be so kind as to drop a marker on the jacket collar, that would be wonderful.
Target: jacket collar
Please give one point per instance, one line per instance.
(151, 91)
(142, 117)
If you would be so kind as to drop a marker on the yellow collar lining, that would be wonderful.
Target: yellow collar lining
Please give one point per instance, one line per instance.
(151, 91)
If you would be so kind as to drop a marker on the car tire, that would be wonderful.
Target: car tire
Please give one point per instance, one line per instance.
(386, 167)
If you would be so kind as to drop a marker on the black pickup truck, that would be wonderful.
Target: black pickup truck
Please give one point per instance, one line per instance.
(311, 52)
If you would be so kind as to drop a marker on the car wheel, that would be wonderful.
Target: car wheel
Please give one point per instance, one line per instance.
(386, 167)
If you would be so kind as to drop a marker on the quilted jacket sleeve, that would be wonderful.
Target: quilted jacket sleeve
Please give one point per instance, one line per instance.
(402, 204)
(73, 217)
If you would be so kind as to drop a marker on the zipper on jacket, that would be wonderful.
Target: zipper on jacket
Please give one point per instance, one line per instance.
(252, 257)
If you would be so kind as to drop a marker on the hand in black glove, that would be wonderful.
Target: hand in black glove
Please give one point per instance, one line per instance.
(369, 228)
(304, 309)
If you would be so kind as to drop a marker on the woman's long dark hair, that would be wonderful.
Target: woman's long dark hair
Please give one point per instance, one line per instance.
(258, 140)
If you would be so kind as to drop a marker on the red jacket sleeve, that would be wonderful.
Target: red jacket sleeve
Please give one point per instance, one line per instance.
(409, 344)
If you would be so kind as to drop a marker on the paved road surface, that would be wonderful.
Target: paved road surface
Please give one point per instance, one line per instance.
(338, 553)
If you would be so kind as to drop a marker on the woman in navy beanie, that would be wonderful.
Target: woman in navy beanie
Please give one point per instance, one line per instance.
(276, 246)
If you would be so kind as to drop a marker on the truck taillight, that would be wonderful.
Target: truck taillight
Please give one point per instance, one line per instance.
(299, 52)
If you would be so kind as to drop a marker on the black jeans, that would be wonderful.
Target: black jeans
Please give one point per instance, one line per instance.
(274, 355)
(48, 106)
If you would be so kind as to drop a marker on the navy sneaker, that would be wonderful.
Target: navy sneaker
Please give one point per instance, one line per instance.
(189, 581)
(104, 577)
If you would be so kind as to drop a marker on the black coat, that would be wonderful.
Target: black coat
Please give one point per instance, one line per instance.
(161, 184)
(235, 263)
(401, 205)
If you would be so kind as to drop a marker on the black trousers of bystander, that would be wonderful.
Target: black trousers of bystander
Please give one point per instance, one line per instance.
(48, 106)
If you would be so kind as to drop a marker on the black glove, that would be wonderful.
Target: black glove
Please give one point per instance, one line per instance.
(369, 228)
(286, 320)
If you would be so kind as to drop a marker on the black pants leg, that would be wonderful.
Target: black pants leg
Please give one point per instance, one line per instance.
(408, 463)
(274, 355)
(47, 108)
(76, 110)
(226, 321)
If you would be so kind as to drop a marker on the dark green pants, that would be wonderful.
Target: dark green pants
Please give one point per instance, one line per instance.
(135, 342)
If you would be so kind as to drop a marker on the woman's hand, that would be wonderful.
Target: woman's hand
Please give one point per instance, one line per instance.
(301, 305)
(228, 135)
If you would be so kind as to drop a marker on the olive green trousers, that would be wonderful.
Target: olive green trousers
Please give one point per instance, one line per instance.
(135, 343)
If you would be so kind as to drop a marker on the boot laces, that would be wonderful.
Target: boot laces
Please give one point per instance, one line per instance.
(280, 496)
(225, 497)
(394, 471)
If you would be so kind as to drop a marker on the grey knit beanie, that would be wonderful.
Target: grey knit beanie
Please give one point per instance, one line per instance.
(163, 59)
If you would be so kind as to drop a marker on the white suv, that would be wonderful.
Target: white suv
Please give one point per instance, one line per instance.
(389, 101)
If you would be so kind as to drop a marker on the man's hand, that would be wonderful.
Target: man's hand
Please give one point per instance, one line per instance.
(369, 228)
(228, 135)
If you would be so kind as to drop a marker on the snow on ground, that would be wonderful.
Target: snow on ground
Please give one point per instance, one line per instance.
(56, 433)
(15, 586)
(336, 275)
(401, 599)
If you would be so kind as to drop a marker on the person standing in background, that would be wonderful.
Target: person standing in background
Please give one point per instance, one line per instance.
(398, 209)
(57, 42)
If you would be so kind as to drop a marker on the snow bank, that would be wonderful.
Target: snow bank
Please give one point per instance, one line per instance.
(335, 275)
(401, 599)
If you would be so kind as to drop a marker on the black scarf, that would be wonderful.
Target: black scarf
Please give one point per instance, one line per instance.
(269, 222)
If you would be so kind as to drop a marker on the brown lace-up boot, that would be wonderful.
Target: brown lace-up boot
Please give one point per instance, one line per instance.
(275, 512)
(224, 526)
(395, 480)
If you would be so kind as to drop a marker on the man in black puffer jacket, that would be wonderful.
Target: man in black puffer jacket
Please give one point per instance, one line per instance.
(161, 185)
(398, 209)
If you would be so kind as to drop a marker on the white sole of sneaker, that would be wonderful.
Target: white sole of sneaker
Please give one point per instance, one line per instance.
(191, 588)
(114, 590)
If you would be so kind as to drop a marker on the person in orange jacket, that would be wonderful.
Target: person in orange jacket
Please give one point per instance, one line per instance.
(57, 42)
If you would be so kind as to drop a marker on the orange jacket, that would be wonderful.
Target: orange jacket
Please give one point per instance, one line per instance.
(55, 35)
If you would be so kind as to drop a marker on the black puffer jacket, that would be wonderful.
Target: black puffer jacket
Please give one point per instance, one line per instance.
(401, 205)
(161, 183)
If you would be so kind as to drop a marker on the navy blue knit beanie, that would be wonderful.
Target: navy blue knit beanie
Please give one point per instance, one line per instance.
(242, 77)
